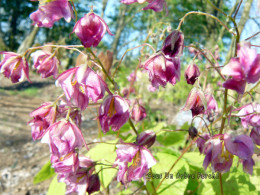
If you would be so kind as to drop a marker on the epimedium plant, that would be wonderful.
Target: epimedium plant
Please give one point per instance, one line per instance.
(137, 158)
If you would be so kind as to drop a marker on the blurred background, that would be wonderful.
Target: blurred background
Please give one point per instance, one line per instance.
(21, 158)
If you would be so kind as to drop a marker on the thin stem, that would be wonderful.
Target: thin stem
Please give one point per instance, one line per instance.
(203, 121)
(252, 36)
(144, 44)
(221, 185)
(238, 9)
(76, 14)
(132, 125)
(205, 14)
(224, 112)
(184, 151)
(200, 50)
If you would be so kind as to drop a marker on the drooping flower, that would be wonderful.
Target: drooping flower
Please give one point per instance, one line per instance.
(138, 112)
(90, 29)
(43, 117)
(155, 5)
(51, 12)
(146, 138)
(192, 73)
(195, 102)
(212, 107)
(162, 69)
(243, 69)
(80, 181)
(250, 115)
(255, 135)
(94, 184)
(63, 138)
(81, 83)
(132, 77)
(243, 147)
(45, 63)
(141, 158)
(193, 132)
(220, 148)
(14, 66)
(173, 44)
(113, 112)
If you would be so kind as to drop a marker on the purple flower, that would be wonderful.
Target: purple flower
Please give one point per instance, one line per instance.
(45, 63)
(192, 73)
(162, 70)
(255, 135)
(155, 5)
(138, 112)
(132, 77)
(195, 102)
(51, 12)
(63, 138)
(219, 151)
(141, 158)
(173, 44)
(94, 184)
(244, 68)
(250, 115)
(113, 112)
(218, 155)
(14, 66)
(81, 83)
(243, 147)
(212, 107)
(43, 117)
(146, 138)
(193, 132)
(90, 30)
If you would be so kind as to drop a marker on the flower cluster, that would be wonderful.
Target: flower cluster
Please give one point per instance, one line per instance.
(155, 5)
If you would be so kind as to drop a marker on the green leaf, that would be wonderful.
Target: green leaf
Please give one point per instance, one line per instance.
(194, 159)
(56, 188)
(172, 184)
(104, 153)
(45, 173)
(171, 138)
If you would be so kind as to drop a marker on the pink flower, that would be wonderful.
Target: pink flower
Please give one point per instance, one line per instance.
(250, 115)
(212, 107)
(141, 158)
(66, 164)
(132, 77)
(80, 181)
(51, 12)
(113, 112)
(43, 117)
(138, 112)
(192, 73)
(244, 68)
(45, 63)
(90, 30)
(155, 5)
(201, 141)
(81, 83)
(195, 102)
(162, 70)
(14, 66)
(173, 44)
(63, 138)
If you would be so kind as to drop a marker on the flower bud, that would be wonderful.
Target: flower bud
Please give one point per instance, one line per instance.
(138, 112)
(94, 184)
(173, 44)
(192, 73)
(193, 132)
(146, 138)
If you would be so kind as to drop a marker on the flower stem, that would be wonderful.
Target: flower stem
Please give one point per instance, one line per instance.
(133, 127)
(154, 190)
(221, 185)
(184, 151)
(224, 112)
(205, 14)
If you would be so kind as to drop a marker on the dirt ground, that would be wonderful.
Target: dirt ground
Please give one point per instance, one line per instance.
(21, 157)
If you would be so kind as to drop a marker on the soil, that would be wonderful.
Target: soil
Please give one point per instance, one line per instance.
(21, 157)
